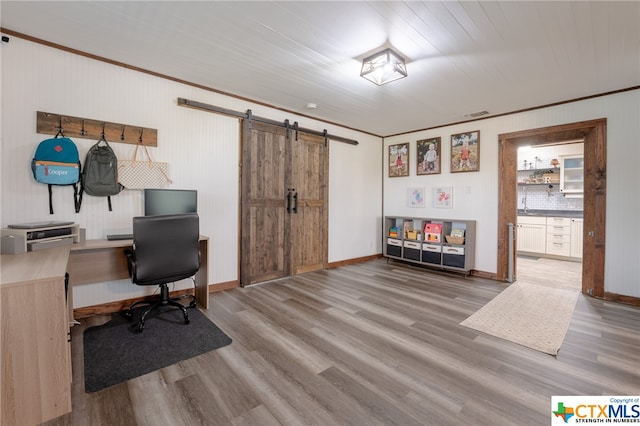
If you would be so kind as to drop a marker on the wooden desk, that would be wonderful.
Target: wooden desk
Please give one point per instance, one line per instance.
(35, 352)
(35, 349)
(97, 261)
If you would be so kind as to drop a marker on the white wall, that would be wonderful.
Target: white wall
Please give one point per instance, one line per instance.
(476, 193)
(202, 150)
(355, 218)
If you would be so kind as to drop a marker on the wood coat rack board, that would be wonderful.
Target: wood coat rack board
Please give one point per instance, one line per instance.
(49, 124)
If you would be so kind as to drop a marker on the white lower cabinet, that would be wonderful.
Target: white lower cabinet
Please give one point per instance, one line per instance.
(576, 237)
(557, 236)
(532, 234)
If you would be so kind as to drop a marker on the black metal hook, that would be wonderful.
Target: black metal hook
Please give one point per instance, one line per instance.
(60, 132)
(83, 131)
(122, 134)
(140, 138)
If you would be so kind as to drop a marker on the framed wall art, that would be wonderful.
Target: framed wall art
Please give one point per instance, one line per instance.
(399, 160)
(442, 197)
(428, 156)
(415, 197)
(465, 152)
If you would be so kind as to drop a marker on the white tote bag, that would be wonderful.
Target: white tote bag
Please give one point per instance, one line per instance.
(140, 174)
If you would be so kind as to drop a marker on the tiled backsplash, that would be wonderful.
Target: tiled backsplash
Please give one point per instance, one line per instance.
(541, 197)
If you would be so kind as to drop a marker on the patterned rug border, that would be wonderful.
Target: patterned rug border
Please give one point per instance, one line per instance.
(530, 315)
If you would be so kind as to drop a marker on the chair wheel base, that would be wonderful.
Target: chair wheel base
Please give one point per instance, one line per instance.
(164, 301)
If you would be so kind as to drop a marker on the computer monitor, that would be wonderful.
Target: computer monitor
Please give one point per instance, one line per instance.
(170, 201)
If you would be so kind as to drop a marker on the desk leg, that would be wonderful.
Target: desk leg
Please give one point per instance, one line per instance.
(202, 276)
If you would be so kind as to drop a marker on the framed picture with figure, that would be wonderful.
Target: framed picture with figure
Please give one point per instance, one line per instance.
(399, 160)
(465, 152)
(428, 156)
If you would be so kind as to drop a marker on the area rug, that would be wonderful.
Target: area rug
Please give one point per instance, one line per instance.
(531, 315)
(116, 352)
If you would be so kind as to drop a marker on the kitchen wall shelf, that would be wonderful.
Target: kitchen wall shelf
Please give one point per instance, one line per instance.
(536, 184)
(545, 169)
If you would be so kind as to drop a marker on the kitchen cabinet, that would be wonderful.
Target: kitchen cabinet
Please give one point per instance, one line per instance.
(552, 235)
(576, 237)
(532, 234)
(559, 236)
(572, 174)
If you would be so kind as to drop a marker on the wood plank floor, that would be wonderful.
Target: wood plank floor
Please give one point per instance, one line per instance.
(549, 272)
(370, 344)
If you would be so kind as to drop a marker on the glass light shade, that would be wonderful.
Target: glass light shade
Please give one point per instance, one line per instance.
(383, 67)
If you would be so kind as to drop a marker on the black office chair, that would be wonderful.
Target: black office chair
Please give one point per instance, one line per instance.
(166, 249)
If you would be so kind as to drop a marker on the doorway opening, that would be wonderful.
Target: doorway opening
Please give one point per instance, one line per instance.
(550, 206)
(593, 133)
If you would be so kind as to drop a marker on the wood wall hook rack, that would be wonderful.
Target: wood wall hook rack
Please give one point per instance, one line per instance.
(49, 124)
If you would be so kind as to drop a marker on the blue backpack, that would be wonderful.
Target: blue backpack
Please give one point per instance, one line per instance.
(56, 162)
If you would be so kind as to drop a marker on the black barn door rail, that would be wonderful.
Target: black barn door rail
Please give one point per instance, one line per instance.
(249, 116)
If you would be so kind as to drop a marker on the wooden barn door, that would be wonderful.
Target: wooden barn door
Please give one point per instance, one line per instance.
(308, 221)
(284, 203)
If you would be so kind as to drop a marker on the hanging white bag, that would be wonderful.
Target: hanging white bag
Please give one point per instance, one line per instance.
(141, 174)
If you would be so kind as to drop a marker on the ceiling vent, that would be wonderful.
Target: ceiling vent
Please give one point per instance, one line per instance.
(477, 114)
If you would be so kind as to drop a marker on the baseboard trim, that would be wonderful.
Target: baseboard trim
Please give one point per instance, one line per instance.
(620, 298)
(223, 286)
(484, 274)
(353, 261)
(120, 305)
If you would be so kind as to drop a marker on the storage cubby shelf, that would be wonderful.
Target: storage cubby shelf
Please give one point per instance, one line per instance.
(439, 243)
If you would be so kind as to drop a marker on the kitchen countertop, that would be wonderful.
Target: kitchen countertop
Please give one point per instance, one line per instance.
(552, 213)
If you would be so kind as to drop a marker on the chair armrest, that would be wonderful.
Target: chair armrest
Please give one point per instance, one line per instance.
(131, 262)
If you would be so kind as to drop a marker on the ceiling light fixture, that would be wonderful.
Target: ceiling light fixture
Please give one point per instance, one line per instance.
(383, 67)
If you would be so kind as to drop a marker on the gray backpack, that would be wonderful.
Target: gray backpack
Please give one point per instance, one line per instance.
(100, 173)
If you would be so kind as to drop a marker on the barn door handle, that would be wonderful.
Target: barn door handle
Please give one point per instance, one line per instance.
(289, 195)
(295, 202)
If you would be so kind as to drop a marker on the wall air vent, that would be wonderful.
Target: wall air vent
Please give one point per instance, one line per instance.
(477, 114)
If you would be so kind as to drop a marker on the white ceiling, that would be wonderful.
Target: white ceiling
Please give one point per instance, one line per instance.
(462, 56)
